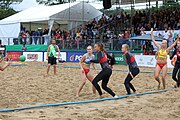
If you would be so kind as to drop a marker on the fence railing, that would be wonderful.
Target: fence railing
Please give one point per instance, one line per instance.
(110, 44)
(31, 40)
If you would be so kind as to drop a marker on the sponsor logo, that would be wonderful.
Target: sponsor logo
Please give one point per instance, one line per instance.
(14, 55)
(119, 59)
(140, 61)
(75, 58)
(150, 62)
(32, 56)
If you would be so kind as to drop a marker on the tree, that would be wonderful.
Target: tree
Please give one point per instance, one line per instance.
(54, 2)
(5, 9)
(6, 12)
(6, 3)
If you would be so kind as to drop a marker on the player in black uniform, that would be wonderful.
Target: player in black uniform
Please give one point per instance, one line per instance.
(106, 72)
(176, 70)
(133, 69)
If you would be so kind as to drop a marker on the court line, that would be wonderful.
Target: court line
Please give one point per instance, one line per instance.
(77, 67)
(82, 102)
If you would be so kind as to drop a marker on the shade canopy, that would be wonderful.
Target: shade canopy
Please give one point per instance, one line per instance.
(146, 37)
(74, 13)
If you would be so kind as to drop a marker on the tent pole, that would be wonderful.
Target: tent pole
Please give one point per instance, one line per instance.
(83, 11)
(30, 26)
(50, 25)
(69, 16)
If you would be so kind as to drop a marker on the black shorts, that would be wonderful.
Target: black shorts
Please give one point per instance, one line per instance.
(52, 60)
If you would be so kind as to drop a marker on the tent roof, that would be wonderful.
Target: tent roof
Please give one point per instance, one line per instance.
(146, 37)
(125, 2)
(44, 13)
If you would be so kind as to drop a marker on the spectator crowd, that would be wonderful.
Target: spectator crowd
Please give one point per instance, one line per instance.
(114, 30)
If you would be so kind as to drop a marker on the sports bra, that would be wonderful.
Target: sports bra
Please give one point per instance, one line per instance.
(88, 58)
(162, 54)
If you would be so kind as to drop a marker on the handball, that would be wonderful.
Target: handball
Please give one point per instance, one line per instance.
(22, 58)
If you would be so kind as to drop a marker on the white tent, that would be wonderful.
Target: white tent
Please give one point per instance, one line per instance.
(73, 13)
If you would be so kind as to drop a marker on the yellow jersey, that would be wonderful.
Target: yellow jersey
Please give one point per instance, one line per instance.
(162, 54)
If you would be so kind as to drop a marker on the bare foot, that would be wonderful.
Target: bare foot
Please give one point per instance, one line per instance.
(135, 92)
(77, 95)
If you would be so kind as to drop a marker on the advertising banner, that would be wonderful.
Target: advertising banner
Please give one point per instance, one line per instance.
(120, 60)
(33, 56)
(62, 56)
(149, 61)
(14, 55)
(74, 56)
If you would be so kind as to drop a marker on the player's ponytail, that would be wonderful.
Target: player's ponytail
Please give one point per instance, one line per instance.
(102, 48)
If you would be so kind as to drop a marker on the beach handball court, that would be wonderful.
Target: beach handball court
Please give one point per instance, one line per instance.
(24, 85)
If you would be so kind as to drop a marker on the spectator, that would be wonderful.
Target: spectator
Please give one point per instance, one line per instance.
(35, 37)
(28, 40)
(45, 36)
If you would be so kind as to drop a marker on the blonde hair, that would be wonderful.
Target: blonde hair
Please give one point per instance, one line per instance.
(126, 46)
(89, 46)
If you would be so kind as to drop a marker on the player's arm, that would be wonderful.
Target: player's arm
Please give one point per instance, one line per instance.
(172, 46)
(81, 61)
(5, 66)
(93, 65)
(153, 40)
(47, 52)
(58, 52)
(97, 60)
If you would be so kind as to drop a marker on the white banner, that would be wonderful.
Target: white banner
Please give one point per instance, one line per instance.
(149, 61)
(33, 56)
(62, 56)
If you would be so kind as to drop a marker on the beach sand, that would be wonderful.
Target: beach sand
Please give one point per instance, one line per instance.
(28, 85)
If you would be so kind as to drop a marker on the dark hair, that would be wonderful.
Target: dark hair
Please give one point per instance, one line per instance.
(101, 45)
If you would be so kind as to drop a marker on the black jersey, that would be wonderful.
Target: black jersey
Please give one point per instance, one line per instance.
(177, 53)
(101, 58)
(130, 60)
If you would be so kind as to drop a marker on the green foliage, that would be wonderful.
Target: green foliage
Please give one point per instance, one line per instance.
(6, 12)
(54, 2)
(6, 3)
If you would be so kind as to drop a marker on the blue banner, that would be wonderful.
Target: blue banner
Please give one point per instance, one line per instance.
(74, 56)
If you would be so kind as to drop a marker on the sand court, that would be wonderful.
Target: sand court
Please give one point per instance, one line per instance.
(27, 85)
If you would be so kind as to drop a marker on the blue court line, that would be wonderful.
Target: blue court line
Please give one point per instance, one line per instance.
(83, 102)
(77, 67)
(115, 69)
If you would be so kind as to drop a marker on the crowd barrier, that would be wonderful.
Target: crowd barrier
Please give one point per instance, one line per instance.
(75, 56)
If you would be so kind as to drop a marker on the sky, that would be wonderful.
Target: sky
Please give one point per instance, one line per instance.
(25, 4)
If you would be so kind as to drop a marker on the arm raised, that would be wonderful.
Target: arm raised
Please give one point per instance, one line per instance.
(154, 41)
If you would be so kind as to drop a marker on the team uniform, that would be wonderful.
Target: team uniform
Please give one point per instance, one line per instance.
(176, 70)
(164, 55)
(104, 75)
(52, 57)
(133, 69)
(86, 71)
(111, 60)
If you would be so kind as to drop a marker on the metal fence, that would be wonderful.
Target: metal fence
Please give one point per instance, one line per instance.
(78, 44)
